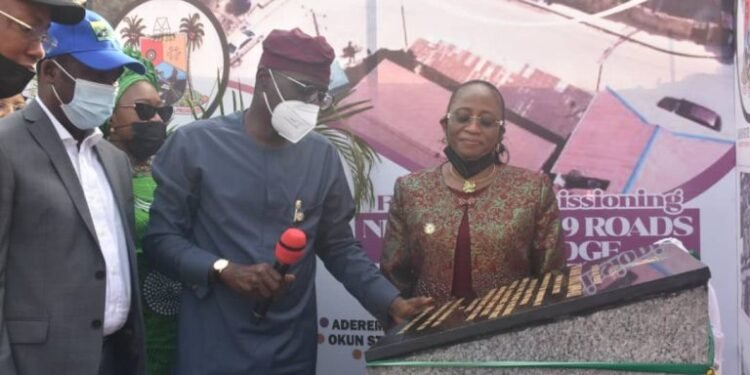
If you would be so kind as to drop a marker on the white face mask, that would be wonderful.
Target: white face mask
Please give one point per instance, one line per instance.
(292, 119)
(92, 104)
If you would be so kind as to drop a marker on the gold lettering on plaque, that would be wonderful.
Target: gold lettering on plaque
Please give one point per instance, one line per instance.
(415, 320)
(494, 300)
(596, 274)
(434, 316)
(575, 286)
(542, 289)
(472, 305)
(500, 306)
(481, 304)
(558, 284)
(447, 313)
(529, 292)
(516, 297)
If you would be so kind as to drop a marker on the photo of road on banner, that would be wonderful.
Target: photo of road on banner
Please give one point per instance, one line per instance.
(619, 102)
(622, 103)
(601, 95)
(743, 55)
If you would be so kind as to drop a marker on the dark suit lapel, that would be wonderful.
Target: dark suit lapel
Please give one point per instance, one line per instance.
(42, 129)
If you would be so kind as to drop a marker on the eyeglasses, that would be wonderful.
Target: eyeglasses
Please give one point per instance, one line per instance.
(147, 111)
(31, 34)
(486, 120)
(313, 94)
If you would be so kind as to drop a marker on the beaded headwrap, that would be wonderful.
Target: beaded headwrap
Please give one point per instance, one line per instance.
(129, 77)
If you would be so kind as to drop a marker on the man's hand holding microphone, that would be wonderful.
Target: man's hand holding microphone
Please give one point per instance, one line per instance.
(264, 282)
(256, 281)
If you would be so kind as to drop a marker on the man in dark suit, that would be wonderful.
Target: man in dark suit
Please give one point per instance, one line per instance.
(68, 286)
(23, 25)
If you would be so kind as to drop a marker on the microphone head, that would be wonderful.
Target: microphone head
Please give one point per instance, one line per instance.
(291, 246)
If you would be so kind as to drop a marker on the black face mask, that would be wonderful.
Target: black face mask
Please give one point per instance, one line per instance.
(468, 168)
(13, 77)
(147, 139)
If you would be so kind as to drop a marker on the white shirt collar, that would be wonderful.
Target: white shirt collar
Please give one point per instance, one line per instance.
(63, 133)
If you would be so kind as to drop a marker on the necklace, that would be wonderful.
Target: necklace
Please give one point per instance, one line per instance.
(470, 186)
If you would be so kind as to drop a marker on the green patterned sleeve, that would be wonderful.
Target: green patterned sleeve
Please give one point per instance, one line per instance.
(548, 246)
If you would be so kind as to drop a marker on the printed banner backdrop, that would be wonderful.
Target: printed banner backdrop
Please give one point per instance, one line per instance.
(742, 100)
(626, 104)
(743, 311)
(185, 42)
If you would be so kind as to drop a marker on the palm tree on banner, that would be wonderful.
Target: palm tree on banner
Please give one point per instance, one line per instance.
(133, 31)
(193, 28)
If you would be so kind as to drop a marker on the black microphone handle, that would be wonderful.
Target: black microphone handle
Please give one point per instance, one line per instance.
(261, 308)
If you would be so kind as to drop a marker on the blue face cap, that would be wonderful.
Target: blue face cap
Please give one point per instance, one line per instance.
(92, 42)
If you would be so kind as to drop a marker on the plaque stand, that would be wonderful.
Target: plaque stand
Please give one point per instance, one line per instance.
(665, 335)
(641, 311)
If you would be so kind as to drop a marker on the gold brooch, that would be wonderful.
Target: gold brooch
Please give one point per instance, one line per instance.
(298, 214)
(429, 228)
(469, 186)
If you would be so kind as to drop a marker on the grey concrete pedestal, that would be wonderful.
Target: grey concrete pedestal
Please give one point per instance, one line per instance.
(671, 328)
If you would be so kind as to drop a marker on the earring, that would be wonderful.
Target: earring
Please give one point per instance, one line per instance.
(498, 148)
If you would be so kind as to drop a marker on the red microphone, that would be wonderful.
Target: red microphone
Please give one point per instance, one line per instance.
(289, 250)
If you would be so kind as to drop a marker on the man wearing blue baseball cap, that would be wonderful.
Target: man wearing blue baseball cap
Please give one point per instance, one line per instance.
(23, 25)
(69, 293)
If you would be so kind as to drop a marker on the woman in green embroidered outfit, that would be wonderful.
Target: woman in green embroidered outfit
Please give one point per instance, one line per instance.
(138, 127)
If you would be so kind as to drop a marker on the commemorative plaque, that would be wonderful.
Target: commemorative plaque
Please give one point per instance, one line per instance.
(624, 278)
